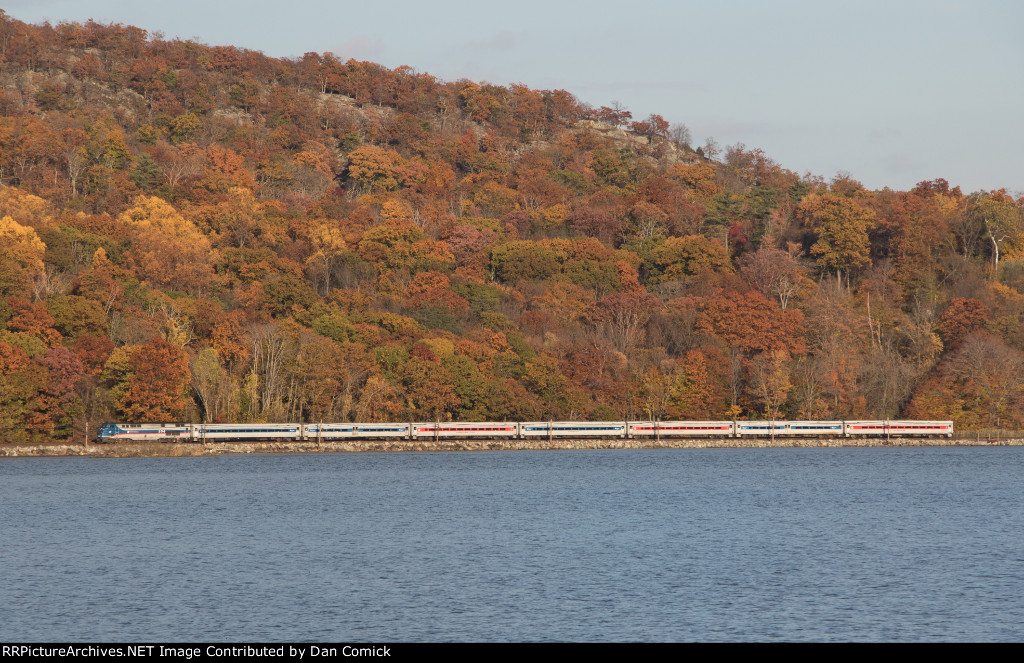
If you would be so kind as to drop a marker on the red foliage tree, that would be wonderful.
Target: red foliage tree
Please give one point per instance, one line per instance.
(753, 323)
(156, 387)
(960, 319)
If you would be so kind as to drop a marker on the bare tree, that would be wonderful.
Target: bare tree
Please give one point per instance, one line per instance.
(769, 381)
(886, 380)
(622, 317)
(208, 379)
(994, 374)
(271, 350)
(808, 391)
(711, 148)
(680, 135)
(773, 272)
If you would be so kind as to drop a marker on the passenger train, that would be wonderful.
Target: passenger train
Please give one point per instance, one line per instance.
(185, 432)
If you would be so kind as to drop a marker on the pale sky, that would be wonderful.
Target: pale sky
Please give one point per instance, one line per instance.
(891, 91)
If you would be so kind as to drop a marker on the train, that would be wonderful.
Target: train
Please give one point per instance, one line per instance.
(188, 432)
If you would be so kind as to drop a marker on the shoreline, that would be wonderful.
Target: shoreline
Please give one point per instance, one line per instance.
(171, 449)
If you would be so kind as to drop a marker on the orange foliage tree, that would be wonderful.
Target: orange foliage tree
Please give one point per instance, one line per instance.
(157, 383)
(753, 323)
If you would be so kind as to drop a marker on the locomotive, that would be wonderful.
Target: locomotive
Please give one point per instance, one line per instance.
(188, 432)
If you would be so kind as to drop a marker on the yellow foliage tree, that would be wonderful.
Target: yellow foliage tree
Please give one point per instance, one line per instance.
(700, 178)
(329, 246)
(167, 249)
(21, 256)
(373, 168)
(842, 226)
(24, 208)
(396, 209)
(21, 244)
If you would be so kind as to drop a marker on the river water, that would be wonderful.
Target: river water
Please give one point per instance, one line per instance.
(858, 544)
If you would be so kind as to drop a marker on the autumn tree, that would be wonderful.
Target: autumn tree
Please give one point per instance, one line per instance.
(689, 256)
(167, 248)
(653, 393)
(693, 390)
(329, 248)
(32, 319)
(18, 386)
(841, 228)
(557, 399)
(21, 256)
(773, 272)
(655, 126)
(429, 390)
(59, 401)
(156, 384)
(622, 317)
(230, 340)
(239, 219)
(916, 225)
(25, 208)
(701, 179)
(328, 381)
(753, 323)
(211, 384)
(770, 382)
(1001, 219)
(378, 400)
(603, 216)
(615, 115)
(374, 169)
(598, 368)
(961, 318)
(982, 384)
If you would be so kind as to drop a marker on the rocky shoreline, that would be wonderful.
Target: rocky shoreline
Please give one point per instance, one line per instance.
(158, 449)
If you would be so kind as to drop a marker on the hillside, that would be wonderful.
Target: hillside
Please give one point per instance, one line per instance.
(206, 233)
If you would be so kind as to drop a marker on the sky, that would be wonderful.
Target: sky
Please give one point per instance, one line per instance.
(890, 92)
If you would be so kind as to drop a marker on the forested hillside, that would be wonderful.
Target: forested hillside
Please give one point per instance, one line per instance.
(206, 233)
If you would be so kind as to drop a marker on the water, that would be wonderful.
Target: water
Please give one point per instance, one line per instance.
(892, 544)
